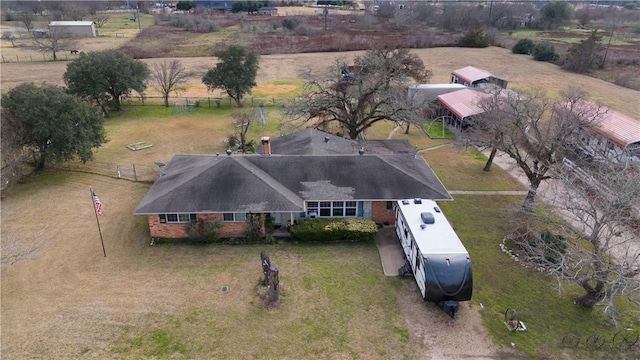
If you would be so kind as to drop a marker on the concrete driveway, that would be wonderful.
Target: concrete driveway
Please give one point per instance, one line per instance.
(390, 250)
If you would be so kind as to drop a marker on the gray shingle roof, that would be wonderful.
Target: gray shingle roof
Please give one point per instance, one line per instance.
(262, 183)
(316, 142)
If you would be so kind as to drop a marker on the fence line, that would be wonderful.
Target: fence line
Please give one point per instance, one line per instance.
(132, 172)
(183, 103)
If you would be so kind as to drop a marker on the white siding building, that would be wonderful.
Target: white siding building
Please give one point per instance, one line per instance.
(72, 28)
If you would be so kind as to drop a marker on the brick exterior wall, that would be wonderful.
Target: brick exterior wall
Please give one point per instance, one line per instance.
(380, 213)
(164, 230)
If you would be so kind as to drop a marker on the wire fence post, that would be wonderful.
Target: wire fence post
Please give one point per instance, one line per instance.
(118, 169)
(135, 176)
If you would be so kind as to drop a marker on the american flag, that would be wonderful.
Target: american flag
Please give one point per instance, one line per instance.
(97, 202)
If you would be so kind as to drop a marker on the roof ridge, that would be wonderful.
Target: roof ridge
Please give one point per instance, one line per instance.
(383, 158)
(270, 181)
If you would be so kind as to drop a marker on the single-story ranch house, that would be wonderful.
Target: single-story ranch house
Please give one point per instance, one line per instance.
(306, 174)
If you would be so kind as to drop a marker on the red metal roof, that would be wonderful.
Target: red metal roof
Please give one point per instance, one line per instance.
(618, 128)
(471, 74)
(463, 102)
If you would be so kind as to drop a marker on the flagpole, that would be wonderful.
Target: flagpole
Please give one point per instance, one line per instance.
(95, 211)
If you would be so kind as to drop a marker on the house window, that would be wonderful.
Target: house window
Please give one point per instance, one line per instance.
(234, 217)
(332, 208)
(177, 218)
(389, 205)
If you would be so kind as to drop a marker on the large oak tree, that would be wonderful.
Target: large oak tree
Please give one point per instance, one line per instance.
(57, 125)
(235, 72)
(106, 76)
(357, 96)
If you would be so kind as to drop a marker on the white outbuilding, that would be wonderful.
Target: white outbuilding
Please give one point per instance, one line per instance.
(72, 28)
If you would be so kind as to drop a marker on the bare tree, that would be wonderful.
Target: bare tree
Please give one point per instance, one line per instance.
(8, 36)
(27, 17)
(532, 129)
(593, 243)
(100, 20)
(15, 248)
(53, 43)
(241, 123)
(358, 96)
(168, 77)
(415, 109)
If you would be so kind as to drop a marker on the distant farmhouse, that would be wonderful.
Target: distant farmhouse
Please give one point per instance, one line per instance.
(70, 29)
(220, 6)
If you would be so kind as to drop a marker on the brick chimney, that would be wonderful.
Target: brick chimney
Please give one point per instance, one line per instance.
(266, 145)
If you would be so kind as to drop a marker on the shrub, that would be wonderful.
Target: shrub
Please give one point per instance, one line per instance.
(549, 246)
(544, 52)
(253, 233)
(290, 23)
(203, 232)
(523, 46)
(474, 38)
(627, 79)
(334, 230)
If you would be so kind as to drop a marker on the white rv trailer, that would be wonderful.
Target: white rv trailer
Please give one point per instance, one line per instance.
(434, 253)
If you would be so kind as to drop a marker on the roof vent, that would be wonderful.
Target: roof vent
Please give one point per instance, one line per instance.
(436, 209)
(427, 218)
(326, 139)
(423, 226)
(361, 151)
(229, 152)
(405, 202)
(417, 201)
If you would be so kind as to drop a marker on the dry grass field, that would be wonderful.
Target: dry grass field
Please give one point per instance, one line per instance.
(522, 72)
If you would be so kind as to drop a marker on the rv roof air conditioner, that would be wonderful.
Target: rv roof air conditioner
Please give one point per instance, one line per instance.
(417, 201)
(427, 218)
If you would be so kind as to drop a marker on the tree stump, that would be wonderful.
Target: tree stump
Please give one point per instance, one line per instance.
(266, 264)
(274, 283)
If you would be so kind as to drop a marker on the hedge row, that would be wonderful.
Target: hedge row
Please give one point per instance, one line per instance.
(334, 230)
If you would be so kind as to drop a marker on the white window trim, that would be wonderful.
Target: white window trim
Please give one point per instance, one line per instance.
(167, 221)
(313, 207)
(235, 216)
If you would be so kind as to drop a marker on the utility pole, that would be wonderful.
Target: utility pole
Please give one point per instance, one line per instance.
(326, 12)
